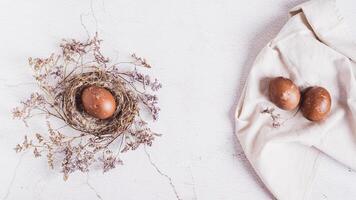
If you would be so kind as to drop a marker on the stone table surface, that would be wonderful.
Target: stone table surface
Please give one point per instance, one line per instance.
(201, 50)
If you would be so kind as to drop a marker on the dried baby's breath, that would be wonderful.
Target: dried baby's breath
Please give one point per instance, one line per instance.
(277, 120)
(274, 116)
(61, 77)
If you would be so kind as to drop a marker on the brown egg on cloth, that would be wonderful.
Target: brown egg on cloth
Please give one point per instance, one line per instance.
(316, 104)
(284, 93)
(98, 102)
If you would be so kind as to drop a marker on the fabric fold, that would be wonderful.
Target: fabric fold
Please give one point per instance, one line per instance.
(312, 49)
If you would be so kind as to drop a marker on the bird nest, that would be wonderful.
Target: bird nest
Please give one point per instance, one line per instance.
(61, 78)
(73, 110)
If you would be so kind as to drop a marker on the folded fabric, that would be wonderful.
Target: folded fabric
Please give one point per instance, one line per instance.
(314, 48)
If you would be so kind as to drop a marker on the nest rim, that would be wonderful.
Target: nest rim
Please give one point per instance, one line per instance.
(126, 104)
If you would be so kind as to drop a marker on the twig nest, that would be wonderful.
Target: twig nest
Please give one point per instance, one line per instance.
(284, 93)
(98, 102)
(316, 104)
(93, 120)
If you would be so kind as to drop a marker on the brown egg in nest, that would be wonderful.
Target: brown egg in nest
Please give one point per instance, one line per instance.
(316, 104)
(98, 102)
(284, 93)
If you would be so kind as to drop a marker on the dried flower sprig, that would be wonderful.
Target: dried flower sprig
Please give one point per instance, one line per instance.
(277, 120)
(60, 78)
(141, 61)
(275, 117)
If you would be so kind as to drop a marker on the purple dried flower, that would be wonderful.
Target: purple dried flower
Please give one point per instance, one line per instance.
(155, 86)
(151, 102)
(110, 162)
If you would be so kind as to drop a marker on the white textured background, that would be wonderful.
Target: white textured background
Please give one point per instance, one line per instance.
(199, 49)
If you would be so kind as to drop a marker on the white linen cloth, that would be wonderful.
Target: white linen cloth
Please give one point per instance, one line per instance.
(314, 48)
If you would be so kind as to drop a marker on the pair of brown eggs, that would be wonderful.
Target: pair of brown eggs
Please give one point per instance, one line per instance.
(315, 102)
